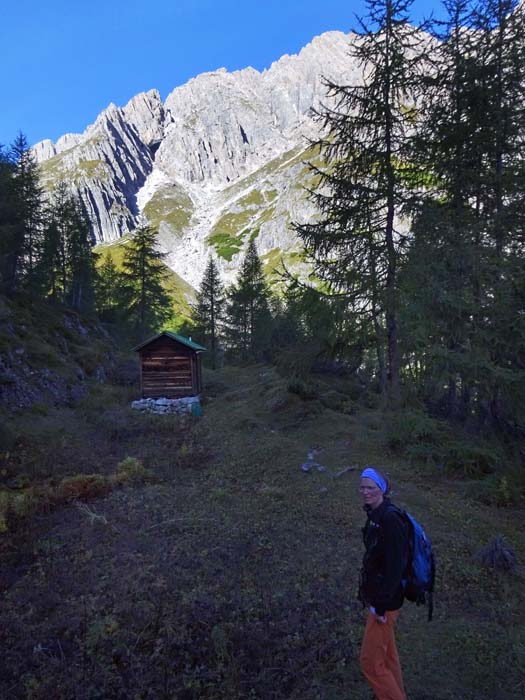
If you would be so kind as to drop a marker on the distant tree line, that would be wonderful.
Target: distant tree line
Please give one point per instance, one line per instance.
(46, 252)
(248, 321)
(45, 246)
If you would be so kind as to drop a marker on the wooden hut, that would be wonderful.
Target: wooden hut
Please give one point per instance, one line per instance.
(170, 366)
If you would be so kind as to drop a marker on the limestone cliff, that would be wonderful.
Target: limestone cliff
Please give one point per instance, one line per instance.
(219, 162)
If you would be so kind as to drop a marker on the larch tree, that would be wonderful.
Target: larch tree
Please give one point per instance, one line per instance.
(462, 309)
(355, 247)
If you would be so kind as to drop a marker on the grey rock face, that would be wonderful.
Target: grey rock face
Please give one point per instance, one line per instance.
(220, 162)
(109, 163)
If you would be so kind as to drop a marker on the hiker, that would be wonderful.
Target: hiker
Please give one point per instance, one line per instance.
(380, 588)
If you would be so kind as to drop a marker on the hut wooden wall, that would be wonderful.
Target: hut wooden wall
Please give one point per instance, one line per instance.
(168, 369)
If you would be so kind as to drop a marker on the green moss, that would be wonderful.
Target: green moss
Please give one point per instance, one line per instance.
(270, 195)
(254, 198)
(232, 223)
(254, 179)
(266, 215)
(226, 246)
(93, 168)
(171, 205)
(52, 171)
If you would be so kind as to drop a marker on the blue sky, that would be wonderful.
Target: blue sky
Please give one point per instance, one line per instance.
(63, 61)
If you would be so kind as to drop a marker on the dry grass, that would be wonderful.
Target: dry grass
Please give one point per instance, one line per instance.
(233, 575)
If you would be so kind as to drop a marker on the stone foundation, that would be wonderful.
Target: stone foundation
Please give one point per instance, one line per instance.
(184, 405)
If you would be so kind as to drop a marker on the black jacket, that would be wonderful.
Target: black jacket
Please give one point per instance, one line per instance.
(385, 536)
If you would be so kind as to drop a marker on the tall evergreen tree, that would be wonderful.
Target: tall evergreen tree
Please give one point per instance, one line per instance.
(470, 140)
(500, 24)
(209, 308)
(10, 248)
(248, 316)
(66, 268)
(108, 289)
(500, 30)
(355, 246)
(54, 268)
(29, 204)
(148, 304)
(81, 261)
(440, 277)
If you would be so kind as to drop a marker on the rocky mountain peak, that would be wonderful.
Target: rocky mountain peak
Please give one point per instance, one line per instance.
(220, 161)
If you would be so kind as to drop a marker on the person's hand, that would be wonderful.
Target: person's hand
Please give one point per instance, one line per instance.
(379, 618)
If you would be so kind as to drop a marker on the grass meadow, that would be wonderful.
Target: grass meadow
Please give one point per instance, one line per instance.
(184, 558)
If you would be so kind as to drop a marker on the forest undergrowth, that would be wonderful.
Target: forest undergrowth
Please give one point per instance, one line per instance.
(217, 558)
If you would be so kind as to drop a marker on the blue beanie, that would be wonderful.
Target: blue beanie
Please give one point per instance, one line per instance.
(371, 473)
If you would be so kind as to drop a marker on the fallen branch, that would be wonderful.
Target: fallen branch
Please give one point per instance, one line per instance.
(91, 514)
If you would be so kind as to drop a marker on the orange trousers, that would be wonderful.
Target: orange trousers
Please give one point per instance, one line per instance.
(379, 660)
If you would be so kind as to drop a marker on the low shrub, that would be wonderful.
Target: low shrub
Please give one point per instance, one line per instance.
(497, 555)
(39, 409)
(132, 470)
(501, 490)
(42, 355)
(411, 427)
(83, 487)
(471, 458)
(4, 511)
(8, 435)
(191, 453)
(298, 361)
(125, 373)
(302, 389)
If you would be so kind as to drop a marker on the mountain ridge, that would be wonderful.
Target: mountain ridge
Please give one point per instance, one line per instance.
(189, 163)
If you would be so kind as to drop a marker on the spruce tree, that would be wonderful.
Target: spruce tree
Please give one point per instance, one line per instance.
(248, 316)
(54, 268)
(66, 267)
(500, 24)
(108, 289)
(355, 247)
(459, 281)
(81, 261)
(209, 309)
(10, 248)
(148, 305)
(28, 195)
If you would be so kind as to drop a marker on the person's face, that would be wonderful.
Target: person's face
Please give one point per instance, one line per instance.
(371, 493)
